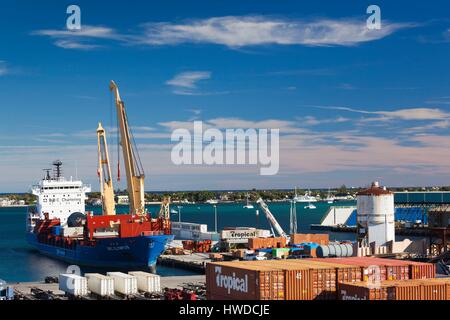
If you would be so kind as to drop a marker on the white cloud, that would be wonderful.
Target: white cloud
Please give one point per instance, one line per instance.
(86, 31)
(313, 121)
(233, 32)
(189, 79)
(185, 83)
(401, 114)
(240, 31)
(80, 39)
(69, 44)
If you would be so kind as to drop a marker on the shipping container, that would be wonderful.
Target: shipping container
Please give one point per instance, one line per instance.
(124, 283)
(243, 281)
(99, 284)
(373, 269)
(403, 290)
(420, 270)
(428, 289)
(147, 282)
(322, 277)
(344, 272)
(73, 285)
(390, 269)
(298, 283)
(258, 243)
(322, 239)
(361, 291)
(341, 273)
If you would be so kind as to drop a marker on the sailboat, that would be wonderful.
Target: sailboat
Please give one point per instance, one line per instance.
(248, 205)
(330, 198)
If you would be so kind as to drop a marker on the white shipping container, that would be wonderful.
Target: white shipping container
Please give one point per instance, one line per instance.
(73, 232)
(147, 282)
(100, 284)
(124, 283)
(73, 284)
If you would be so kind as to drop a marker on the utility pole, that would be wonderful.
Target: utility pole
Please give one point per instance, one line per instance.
(215, 218)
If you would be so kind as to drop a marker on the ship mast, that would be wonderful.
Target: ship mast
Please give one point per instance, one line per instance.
(133, 167)
(104, 174)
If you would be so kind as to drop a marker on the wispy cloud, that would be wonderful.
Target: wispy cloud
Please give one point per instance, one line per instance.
(185, 83)
(313, 121)
(231, 31)
(402, 114)
(80, 39)
(240, 31)
(189, 79)
(71, 44)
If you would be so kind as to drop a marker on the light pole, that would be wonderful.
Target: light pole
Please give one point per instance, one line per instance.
(215, 217)
(179, 213)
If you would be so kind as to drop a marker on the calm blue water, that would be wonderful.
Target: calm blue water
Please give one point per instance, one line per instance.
(19, 262)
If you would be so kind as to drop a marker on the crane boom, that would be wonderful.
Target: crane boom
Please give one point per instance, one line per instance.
(270, 217)
(164, 212)
(133, 168)
(104, 174)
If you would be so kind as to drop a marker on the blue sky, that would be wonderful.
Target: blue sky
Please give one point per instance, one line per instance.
(351, 105)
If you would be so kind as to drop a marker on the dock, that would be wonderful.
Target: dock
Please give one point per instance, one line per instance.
(193, 262)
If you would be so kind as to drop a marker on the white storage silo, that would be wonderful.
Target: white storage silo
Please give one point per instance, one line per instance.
(376, 214)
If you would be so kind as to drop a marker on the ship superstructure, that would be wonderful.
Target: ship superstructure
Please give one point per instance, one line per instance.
(57, 197)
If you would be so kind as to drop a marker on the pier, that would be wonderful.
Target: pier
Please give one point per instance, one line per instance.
(194, 262)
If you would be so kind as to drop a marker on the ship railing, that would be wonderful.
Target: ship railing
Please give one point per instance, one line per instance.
(152, 233)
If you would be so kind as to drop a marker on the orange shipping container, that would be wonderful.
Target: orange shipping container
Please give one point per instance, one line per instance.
(241, 281)
(429, 289)
(259, 243)
(323, 277)
(298, 281)
(323, 239)
(361, 291)
(420, 270)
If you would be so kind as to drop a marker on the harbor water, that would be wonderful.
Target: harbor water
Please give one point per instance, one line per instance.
(20, 263)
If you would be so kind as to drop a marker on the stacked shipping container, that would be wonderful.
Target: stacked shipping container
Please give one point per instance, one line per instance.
(307, 279)
(377, 269)
(244, 281)
(260, 243)
(429, 289)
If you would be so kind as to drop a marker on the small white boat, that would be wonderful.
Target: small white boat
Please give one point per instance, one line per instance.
(310, 206)
(305, 198)
(173, 211)
(212, 201)
(248, 205)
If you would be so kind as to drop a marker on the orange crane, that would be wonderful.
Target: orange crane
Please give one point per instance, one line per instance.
(133, 167)
(104, 174)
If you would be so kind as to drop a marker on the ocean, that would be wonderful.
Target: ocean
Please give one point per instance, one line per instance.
(21, 263)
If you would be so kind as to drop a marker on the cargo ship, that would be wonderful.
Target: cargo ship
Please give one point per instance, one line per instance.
(59, 227)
